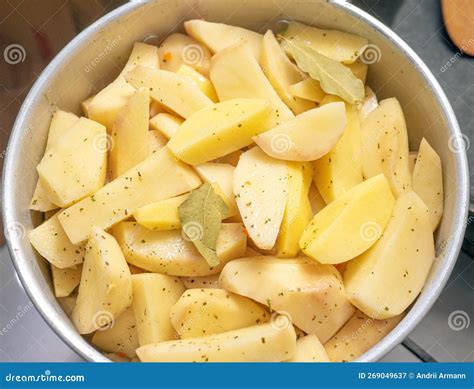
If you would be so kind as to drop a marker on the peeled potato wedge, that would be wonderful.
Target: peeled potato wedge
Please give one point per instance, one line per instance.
(369, 103)
(412, 161)
(175, 92)
(308, 89)
(258, 343)
(338, 45)
(236, 73)
(356, 218)
(168, 252)
(153, 297)
(158, 177)
(316, 200)
(310, 294)
(166, 123)
(105, 290)
(324, 126)
(309, 349)
(201, 81)
(75, 166)
(65, 280)
(162, 215)
(219, 130)
(282, 73)
(427, 181)
(386, 279)
(203, 312)
(359, 69)
(203, 282)
(156, 141)
(385, 145)
(218, 36)
(261, 189)
(357, 336)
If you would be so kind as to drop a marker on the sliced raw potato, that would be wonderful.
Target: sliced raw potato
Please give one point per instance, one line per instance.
(75, 165)
(204, 282)
(337, 45)
(258, 343)
(120, 336)
(357, 336)
(219, 130)
(231, 158)
(324, 126)
(168, 252)
(369, 104)
(282, 73)
(67, 303)
(158, 177)
(235, 73)
(175, 92)
(317, 202)
(60, 123)
(310, 294)
(85, 106)
(50, 240)
(309, 349)
(385, 145)
(359, 69)
(162, 215)
(153, 297)
(106, 104)
(156, 141)
(385, 280)
(357, 218)
(218, 36)
(129, 141)
(340, 170)
(308, 89)
(412, 161)
(427, 181)
(203, 312)
(261, 190)
(298, 210)
(178, 49)
(166, 123)
(200, 80)
(220, 176)
(65, 280)
(105, 290)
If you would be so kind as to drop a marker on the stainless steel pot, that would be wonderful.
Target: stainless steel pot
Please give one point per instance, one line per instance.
(93, 59)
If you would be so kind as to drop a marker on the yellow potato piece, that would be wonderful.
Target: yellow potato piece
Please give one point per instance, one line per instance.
(351, 224)
(156, 141)
(324, 126)
(385, 280)
(166, 123)
(85, 106)
(258, 343)
(121, 337)
(162, 215)
(75, 166)
(154, 295)
(60, 123)
(65, 280)
(201, 81)
(357, 336)
(282, 73)
(129, 141)
(168, 252)
(261, 191)
(175, 92)
(178, 49)
(105, 290)
(308, 89)
(219, 130)
(203, 312)
(235, 73)
(427, 181)
(338, 45)
(309, 349)
(317, 202)
(412, 161)
(385, 145)
(310, 294)
(359, 69)
(298, 210)
(50, 240)
(340, 170)
(218, 36)
(369, 103)
(158, 177)
(211, 281)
